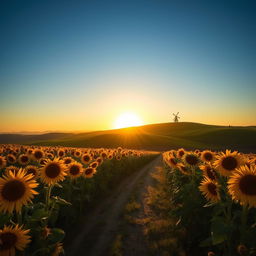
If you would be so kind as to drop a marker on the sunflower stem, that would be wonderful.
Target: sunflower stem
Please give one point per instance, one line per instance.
(243, 223)
(48, 196)
(19, 218)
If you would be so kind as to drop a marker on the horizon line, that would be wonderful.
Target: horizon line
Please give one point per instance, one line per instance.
(89, 131)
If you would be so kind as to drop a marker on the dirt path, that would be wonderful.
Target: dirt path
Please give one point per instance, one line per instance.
(104, 222)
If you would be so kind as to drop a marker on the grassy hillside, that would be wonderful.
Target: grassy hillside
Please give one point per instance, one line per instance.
(156, 136)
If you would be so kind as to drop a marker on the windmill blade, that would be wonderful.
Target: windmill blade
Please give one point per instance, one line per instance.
(173, 114)
(178, 113)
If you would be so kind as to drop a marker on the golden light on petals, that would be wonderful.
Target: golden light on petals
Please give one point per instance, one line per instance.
(13, 238)
(2, 162)
(74, 170)
(208, 171)
(53, 171)
(242, 185)
(89, 172)
(33, 170)
(23, 159)
(86, 158)
(207, 156)
(16, 190)
(191, 159)
(227, 162)
(209, 189)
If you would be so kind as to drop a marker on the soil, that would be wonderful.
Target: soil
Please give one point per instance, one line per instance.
(106, 221)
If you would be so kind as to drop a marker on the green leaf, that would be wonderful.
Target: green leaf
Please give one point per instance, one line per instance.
(220, 230)
(56, 235)
(39, 214)
(218, 238)
(61, 200)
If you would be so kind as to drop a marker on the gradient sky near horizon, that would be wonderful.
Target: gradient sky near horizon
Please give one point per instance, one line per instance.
(77, 65)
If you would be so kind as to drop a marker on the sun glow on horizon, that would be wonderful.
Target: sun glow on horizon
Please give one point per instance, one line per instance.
(127, 119)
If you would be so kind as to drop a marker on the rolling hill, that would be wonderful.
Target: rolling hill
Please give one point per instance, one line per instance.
(162, 136)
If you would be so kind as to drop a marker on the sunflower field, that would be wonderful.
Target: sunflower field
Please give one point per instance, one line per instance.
(46, 190)
(213, 195)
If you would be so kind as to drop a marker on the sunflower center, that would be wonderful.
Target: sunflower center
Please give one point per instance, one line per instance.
(52, 170)
(67, 161)
(247, 185)
(24, 159)
(38, 154)
(208, 156)
(94, 165)
(86, 158)
(181, 153)
(1, 161)
(74, 170)
(191, 159)
(11, 159)
(89, 171)
(229, 163)
(212, 189)
(13, 190)
(61, 153)
(8, 240)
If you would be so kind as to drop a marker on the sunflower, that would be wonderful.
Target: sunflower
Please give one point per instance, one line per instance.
(207, 156)
(61, 153)
(11, 158)
(16, 190)
(99, 160)
(67, 160)
(242, 185)
(208, 171)
(23, 159)
(89, 172)
(191, 159)
(227, 162)
(209, 189)
(38, 154)
(86, 158)
(11, 238)
(2, 162)
(103, 155)
(94, 164)
(172, 162)
(33, 170)
(11, 168)
(77, 153)
(110, 156)
(74, 170)
(53, 171)
(180, 152)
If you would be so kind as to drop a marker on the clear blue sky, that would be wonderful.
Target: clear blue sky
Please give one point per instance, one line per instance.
(77, 65)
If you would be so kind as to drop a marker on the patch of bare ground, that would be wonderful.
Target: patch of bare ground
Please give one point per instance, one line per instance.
(148, 228)
(100, 233)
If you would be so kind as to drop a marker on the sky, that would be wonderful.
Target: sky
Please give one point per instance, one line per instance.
(78, 65)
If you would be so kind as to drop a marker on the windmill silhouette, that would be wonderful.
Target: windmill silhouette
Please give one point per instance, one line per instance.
(176, 117)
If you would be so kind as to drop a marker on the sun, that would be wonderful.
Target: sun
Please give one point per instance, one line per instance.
(127, 119)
